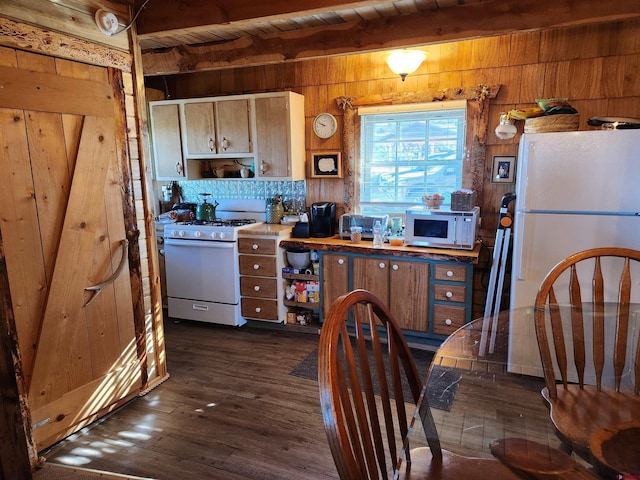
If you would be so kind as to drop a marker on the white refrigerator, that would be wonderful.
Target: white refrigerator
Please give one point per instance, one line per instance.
(574, 191)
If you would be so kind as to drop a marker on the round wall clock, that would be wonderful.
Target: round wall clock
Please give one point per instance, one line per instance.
(325, 125)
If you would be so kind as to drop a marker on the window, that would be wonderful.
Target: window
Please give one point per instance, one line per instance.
(408, 151)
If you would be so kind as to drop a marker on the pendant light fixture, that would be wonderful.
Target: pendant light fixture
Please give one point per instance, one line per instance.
(404, 62)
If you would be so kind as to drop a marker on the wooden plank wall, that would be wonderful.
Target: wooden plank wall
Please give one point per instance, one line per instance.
(594, 66)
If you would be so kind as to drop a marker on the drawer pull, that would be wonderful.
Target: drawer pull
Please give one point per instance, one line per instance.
(254, 246)
(395, 266)
(256, 266)
(257, 288)
(258, 310)
(381, 265)
(449, 273)
(448, 321)
(448, 294)
(340, 261)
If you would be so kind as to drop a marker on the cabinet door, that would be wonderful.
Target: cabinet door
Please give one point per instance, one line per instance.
(233, 126)
(272, 130)
(199, 127)
(167, 149)
(409, 294)
(372, 274)
(335, 278)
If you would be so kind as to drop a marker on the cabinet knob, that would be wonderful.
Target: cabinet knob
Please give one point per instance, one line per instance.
(448, 321)
(381, 265)
(395, 266)
(449, 273)
(448, 294)
(340, 261)
(179, 168)
(211, 145)
(257, 288)
(258, 309)
(254, 246)
(225, 143)
(256, 266)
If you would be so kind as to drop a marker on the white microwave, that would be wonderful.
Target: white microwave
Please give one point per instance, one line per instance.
(441, 228)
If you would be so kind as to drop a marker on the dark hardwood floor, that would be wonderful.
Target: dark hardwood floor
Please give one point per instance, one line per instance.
(230, 410)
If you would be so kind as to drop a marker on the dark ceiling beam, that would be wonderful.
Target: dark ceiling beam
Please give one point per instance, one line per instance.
(450, 24)
(192, 16)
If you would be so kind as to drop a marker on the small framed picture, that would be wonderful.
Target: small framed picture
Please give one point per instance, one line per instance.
(504, 169)
(326, 165)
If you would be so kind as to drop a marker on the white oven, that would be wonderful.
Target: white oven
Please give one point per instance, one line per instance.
(201, 264)
(203, 280)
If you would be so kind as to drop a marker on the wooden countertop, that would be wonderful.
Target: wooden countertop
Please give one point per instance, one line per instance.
(337, 244)
(267, 229)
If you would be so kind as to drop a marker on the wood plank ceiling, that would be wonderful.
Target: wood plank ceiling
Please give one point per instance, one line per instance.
(179, 36)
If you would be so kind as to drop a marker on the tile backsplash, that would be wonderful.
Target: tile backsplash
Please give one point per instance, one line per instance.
(243, 189)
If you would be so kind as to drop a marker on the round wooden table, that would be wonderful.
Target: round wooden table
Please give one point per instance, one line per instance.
(476, 395)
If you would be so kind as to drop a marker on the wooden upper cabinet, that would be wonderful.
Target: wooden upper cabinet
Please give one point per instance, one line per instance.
(234, 134)
(280, 136)
(199, 128)
(266, 129)
(220, 128)
(167, 146)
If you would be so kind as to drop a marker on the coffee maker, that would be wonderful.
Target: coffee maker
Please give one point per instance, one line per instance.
(323, 219)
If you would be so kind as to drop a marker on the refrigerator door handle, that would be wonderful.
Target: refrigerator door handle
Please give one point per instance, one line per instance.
(523, 258)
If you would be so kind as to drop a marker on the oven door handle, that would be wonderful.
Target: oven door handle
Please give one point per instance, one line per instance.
(198, 243)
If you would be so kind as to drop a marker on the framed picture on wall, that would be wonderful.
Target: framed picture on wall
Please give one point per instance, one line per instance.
(326, 165)
(504, 169)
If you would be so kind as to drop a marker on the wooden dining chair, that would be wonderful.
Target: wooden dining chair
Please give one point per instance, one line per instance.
(591, 380)
(365, 409)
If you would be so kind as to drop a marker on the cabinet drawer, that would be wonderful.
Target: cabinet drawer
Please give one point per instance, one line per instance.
(450, 293)
(258, 265)
(447, 319)
(453, 273)
(257, 246)
(260, 287)
(259, 309)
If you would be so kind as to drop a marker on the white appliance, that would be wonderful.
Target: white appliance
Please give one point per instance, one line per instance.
(574, 191)
(444, 228)
(201, 262)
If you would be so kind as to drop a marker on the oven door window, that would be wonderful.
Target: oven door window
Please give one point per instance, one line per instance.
(202, 270)
(431, 229)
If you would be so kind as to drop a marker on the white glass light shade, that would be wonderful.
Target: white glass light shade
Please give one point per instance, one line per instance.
(404, 62)
(506, 129)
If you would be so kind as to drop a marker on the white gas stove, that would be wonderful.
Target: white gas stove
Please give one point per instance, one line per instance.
(201, 258)
(217, 230)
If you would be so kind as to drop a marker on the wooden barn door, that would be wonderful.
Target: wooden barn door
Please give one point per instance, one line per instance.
(63, 234)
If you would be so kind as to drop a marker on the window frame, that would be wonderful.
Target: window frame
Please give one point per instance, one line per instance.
(408, 108)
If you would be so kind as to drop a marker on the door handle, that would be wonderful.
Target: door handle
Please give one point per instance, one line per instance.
(97, 289)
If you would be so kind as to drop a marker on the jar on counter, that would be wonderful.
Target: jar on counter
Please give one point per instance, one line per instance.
(274, 211)
(356, 234)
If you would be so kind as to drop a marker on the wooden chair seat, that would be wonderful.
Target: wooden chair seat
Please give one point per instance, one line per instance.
(617, 449)
(536, 461)
(578, 412)
(453, 466)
